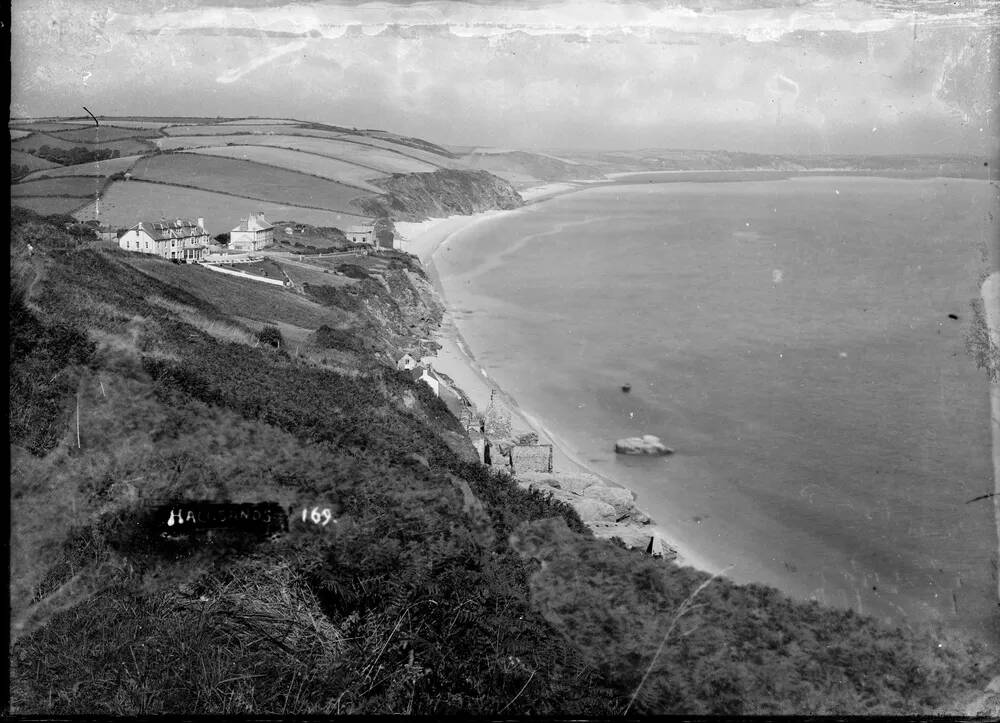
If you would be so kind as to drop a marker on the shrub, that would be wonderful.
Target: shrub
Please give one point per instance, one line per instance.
(329, 338)
(270, 335)
(353, 271)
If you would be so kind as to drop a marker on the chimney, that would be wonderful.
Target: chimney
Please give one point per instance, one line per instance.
(201, 222)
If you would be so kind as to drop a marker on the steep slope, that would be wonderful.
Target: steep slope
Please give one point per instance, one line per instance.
(441, 587)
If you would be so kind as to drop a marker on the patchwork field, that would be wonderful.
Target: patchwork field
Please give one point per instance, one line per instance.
(126, 146)
(33, 162)
(259, 121)
(378, 159)
(97, 168)
(414, 143)
(218, 129)
(324, 167)
(246, 179)
(363, 152)
(37, 140)
(104, 134)
(72, 186)
(218, 169)
(127, 202)
(432, 159)
(123, 123)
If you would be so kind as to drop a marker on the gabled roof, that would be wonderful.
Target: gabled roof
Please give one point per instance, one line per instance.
(418, 371)
(256, 221)
(167, 229)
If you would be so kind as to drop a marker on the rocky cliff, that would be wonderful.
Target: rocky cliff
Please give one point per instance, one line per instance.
(416, 196)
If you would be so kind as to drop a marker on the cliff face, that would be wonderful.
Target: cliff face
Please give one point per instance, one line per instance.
(395, 310)
(415, 196)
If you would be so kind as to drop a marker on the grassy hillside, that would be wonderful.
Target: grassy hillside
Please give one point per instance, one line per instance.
(441, 587)
(219, 169)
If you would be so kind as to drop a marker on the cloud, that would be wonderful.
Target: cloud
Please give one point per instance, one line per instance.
(762, 76)
(233, 74)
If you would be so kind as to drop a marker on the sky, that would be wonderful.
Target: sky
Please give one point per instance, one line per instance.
(770, 76)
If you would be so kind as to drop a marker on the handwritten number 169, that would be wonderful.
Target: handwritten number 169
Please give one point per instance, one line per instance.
(320, 517)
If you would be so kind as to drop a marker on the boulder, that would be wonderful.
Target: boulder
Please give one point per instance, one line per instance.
(646, 444)
(570, 481)
(579, 482)
(618, 497)
(593, 510)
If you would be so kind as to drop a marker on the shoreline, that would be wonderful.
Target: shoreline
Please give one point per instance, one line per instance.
(456, 360)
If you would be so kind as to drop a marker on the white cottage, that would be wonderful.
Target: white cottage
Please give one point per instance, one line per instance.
(254, 233)
(181, 239)
(428, 377)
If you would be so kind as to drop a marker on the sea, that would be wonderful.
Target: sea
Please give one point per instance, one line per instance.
(799, 342)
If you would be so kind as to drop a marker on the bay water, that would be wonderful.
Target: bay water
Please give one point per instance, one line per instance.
(793, 340)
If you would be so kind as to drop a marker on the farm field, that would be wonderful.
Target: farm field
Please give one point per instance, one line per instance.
(259, 121)
(384, 161)
(127, 146)
(42, 127)
(15, 134)
(127, 202)
(47, 205)
(220, 129)
(325, 167)
(79, 187)
(370, 152)
(104, 134)
(33, 162)
(37, 140)
(417, 154)
(124, 123)
(405, 141)
(97, 168)
(246, 179)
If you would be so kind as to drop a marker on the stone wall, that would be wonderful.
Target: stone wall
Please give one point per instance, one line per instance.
(532, 458)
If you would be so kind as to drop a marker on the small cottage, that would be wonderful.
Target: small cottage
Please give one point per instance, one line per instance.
(406, 363)
(428, 377)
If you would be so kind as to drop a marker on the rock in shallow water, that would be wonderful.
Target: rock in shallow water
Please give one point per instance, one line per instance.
(646, 444)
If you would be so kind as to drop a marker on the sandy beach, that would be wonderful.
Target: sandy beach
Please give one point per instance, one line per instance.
(457, 361)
